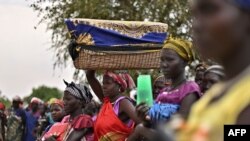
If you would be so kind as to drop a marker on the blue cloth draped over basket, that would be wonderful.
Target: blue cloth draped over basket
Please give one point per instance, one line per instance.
(117, 44)
(115, 33)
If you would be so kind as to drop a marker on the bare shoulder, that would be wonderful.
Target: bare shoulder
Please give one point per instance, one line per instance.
(125, 103)
(190, 98)
(187, 103)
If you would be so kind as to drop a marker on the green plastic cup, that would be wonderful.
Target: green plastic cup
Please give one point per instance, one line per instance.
(144, 90)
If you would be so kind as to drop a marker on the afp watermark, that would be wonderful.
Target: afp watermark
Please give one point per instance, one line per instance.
(236, 132)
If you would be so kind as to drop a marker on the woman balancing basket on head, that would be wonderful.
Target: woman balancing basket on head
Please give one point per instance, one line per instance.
(114, 45)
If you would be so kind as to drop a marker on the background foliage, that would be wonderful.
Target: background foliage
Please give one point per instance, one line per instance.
(45, 93)
(53, 12)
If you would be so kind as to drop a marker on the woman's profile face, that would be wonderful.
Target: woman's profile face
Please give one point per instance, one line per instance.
(220, 28)
(71, 103)
(110, 87)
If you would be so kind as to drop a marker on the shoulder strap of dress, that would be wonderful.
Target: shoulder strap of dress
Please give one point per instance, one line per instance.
(116, 106)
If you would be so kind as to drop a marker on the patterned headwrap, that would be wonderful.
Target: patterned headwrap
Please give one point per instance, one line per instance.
(58, 102)
(123, 79)
(182, 47)
(244, 4)
(79, 91)
(216, 69)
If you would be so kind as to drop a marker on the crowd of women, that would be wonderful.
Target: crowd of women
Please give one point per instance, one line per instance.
(183, 110)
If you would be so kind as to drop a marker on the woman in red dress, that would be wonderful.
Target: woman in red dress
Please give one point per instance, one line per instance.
(77, 126)
(117, 117)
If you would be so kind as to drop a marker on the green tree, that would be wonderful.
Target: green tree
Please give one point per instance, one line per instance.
(44, 93)
(4, 100)
(53, 12)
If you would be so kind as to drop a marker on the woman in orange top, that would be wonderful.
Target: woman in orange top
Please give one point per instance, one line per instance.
(117, 117)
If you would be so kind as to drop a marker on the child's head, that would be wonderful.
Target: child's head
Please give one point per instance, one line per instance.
(158, 85)
(199, 74)
(57, 110)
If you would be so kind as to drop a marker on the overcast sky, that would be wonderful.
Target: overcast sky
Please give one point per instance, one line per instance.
(25, 61)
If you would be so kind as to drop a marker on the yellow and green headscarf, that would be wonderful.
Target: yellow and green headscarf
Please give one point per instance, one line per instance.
(182, 47)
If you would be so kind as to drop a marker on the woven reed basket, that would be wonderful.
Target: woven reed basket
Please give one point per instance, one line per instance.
(115, 61)
(103, 36)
